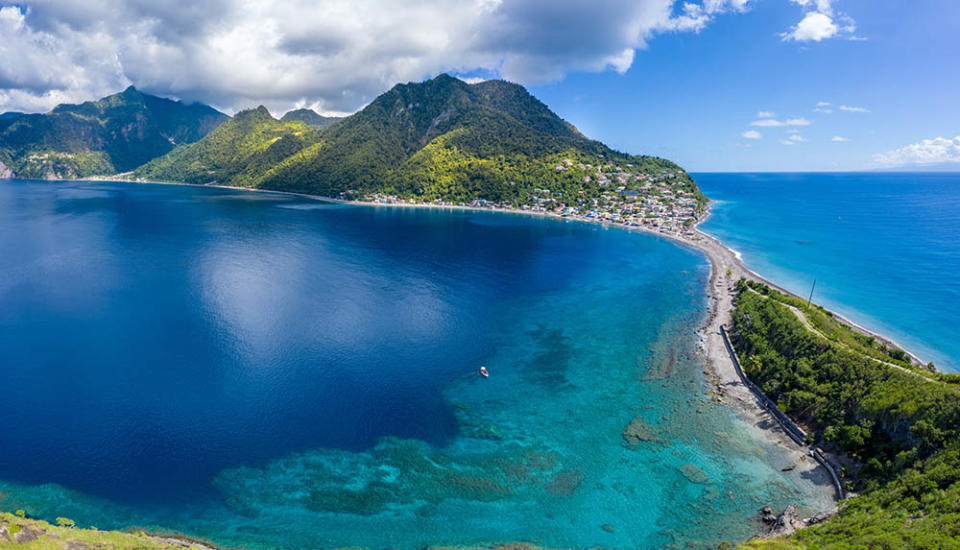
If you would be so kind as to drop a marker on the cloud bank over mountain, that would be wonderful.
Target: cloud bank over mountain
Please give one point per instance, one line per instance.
(331, 55)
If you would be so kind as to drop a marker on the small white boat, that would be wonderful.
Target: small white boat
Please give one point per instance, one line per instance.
(484, 373)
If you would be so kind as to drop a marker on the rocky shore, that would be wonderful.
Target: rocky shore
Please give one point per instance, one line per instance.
(18, 531)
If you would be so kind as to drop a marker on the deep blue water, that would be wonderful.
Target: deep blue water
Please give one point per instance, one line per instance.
(884, 248)
(269, 371)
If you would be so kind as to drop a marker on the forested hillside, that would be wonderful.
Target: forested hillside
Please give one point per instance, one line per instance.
(239, 152)
(311, 118)
(901, 422)
(115, 134)
(438, 139)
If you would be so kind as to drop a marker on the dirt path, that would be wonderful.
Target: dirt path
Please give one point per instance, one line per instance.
(802, 317)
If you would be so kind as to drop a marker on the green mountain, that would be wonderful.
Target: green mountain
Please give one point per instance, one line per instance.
(114, 134)
(239, 152)
(311, 118)
(438, 139)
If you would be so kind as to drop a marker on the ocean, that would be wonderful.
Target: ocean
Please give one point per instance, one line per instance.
(884, 248)
(269, 371)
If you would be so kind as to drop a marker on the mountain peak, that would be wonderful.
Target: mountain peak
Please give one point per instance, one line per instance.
(310, 118)
(257, 114)
(439, 138)
(118, 132)
(444, 77)
(303, 111)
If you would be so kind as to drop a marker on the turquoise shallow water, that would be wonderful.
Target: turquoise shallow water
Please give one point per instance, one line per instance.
(271, 372)
(884, 248)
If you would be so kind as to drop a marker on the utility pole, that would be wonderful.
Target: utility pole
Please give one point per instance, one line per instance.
(811, 291)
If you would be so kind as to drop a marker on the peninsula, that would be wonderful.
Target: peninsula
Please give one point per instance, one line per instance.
(444, 143)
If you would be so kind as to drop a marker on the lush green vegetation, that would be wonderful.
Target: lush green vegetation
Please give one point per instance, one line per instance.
(310, 118)
(115, 134)
(18, 531)
(442, 139)
(900, 421)
(238, 152)
(439, 139)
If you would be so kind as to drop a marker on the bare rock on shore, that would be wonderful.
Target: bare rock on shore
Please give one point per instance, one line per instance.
(27, 534)
(5, 172)
(819, 517)
(767, 516)
(784, 524)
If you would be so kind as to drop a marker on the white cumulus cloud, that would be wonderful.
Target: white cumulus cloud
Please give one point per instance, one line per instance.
(929, 151)
(752, 134)
(774, 123)
(766, 114)
(814, 26)
(853, 109)
(820, 22)
(839, 139)
(331, 55)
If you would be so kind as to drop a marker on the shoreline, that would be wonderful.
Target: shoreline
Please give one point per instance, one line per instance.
(726, 268)
(711, 246)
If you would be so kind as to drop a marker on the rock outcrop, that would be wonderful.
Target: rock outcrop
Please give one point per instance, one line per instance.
(5, 172)
(783, 524)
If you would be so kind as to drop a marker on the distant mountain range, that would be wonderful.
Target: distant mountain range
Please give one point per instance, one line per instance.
(115, 134)
(437, 139)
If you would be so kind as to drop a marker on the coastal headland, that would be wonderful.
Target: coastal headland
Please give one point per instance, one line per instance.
(726, 270)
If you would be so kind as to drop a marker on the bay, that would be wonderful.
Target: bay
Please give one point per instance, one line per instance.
(270, 371)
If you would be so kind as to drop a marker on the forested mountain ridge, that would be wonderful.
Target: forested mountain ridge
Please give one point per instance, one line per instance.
(441, 139)
(238, 152)
(311, 118)
(114, 134)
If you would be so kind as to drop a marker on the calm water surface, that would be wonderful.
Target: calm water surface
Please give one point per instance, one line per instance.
(269, 371)
(884, 248)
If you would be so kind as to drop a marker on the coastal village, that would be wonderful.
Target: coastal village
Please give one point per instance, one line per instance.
(658, 200)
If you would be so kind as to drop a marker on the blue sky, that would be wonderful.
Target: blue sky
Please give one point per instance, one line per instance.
(683, 79)
(690, 97)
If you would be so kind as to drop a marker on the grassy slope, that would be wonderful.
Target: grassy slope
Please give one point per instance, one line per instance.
(31, 534)
(903, 425)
